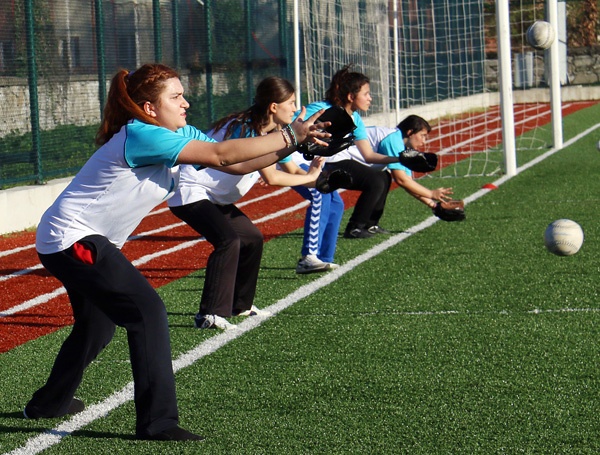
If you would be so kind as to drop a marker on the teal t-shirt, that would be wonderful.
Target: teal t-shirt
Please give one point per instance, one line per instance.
(393, 145)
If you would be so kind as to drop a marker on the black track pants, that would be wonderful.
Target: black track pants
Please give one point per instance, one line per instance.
(111, 292)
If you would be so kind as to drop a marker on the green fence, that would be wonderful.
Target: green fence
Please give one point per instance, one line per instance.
(57, 58)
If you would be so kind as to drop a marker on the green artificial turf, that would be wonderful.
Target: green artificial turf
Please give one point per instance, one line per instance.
(464, 338)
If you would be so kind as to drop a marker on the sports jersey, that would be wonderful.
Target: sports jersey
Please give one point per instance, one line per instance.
(216, 186)
(122, 181)
(359, 133)
(388, 141)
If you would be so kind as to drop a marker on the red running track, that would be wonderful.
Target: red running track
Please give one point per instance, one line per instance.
(34, 303)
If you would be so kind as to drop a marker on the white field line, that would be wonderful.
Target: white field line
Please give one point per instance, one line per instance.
(158, 212)
(448, 150)
(273, 194)
(276, 193)
(16, 250)
(20, 272)
(280, 191)
(133, 237)
(37, 444)
(489, 132)
(41, 299)
(168, 227)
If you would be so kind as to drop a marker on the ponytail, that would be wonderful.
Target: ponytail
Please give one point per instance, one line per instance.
(269, 90)
(344, 83)
(127, 94)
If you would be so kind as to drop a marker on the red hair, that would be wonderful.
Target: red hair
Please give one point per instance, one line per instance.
(127, 95)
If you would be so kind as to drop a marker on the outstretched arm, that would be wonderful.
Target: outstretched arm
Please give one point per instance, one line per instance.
(372, 157)
(292, 174)
(418, 191)
(219, 154)
(255, 164)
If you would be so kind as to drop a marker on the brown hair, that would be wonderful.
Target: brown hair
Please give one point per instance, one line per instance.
(344, 83)
(269, 90)
(128, 93)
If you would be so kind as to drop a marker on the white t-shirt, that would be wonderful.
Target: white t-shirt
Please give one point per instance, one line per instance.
(118, 186)
(213, 185)
(386, 141)
(216, 186)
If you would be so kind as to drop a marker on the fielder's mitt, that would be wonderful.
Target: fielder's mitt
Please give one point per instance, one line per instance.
(331, 180)
(341, 129)
(450, 210)
(418, 161)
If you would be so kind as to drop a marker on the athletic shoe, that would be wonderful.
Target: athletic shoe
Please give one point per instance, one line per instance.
(358, 233)
(212, 321)
(378, 230)
(75, 407)
(172, 434)
(333, 266)
(254, 311)
(311, 264)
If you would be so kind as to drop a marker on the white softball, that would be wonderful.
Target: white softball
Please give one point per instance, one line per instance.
(540, 35)
(563, 237)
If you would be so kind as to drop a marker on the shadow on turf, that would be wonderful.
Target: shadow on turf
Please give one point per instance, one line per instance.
(5, 429)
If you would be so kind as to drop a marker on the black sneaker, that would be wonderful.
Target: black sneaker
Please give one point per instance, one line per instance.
(76, 406)
(172, 434)
(378, 230)
(357, 233)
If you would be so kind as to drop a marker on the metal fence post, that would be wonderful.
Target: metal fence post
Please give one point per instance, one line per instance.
(249, 53)
(36, 155)
(209, 60)
(100, 60)
(157, 30)
(283, 41)
(175, 21)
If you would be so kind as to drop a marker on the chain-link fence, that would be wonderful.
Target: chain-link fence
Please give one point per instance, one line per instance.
(58, 56)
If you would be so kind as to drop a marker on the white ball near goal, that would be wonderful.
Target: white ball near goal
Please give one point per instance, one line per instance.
(563, 237)
(540, 35)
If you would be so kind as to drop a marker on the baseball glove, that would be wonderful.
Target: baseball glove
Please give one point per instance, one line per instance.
(331, 180)
(450, 210)
(418, 161)
(341, 129)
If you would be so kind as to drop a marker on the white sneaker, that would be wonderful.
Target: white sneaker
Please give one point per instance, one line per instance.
(255, 311)
(311, 264)
(212, 321)
(333, 266)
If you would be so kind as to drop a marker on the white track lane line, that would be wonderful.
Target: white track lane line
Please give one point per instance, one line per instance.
(133, 237)
(41, 299)
(53, 436)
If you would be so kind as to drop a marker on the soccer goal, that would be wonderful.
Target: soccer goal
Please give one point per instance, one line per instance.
(463, 65)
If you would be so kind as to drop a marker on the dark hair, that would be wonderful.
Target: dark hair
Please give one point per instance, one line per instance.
(128, 93)
(344, 83)
(413, 124)
(255, 118)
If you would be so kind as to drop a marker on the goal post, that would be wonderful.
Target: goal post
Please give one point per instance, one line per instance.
(554, 65)
(506, 96)
(452, 62)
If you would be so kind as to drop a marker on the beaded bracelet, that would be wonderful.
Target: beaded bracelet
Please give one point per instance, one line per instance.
(286, 138)
(293, 134)
(289, 136)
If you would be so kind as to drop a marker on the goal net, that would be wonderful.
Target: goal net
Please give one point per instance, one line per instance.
(437, 59)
